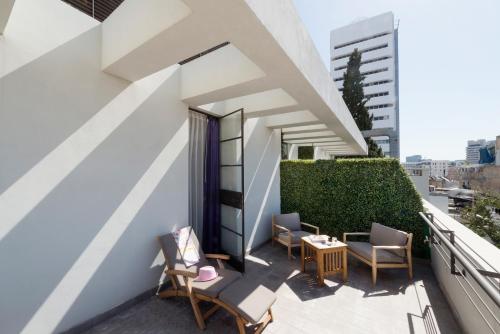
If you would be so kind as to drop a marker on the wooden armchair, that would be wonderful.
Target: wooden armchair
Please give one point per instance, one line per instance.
(387, 248)
(287, 230)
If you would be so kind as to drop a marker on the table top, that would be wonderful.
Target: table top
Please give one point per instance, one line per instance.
(323, 245)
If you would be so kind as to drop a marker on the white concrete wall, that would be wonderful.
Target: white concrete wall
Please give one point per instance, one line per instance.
(421, 184)
(262, 180)
(475, 311)
(440, 202)
(93, 168)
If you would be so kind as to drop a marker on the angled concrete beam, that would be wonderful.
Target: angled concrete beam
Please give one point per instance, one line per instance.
(5, 10)
(316, 134)
(314, 141)
(135, 54)
(287, 132)
(170, 31)
(220, 69)
(329, 137)
(269, 102)
(291, 119)
(330, 145)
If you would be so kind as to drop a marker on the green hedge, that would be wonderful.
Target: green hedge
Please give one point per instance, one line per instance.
(305, 152)
(347, 195)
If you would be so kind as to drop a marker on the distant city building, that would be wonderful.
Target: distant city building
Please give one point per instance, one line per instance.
(497, 151)
(435, 168)
(482, 152)
(472, 150)
(458, 163)
(439, 167)
(414, 158)
(377, 40)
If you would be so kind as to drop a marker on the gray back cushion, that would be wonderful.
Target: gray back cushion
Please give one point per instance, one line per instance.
(290, 221)
(381, 235)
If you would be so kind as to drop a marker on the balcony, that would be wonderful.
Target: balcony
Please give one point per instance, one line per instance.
(394, 305)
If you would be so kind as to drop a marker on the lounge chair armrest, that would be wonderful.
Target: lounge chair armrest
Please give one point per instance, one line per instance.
(353, 233)
(389, 247)
(311, 226)
(279, 227)
(185, 273)
(218, 257)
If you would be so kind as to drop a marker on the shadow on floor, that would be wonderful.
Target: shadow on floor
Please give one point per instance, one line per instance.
(394, 305)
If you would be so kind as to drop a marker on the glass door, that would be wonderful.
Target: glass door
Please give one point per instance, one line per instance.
(232, 188)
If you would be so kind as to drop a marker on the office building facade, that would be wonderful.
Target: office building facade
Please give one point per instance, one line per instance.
(377, 40)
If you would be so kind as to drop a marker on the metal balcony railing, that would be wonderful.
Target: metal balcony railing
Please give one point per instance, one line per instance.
(478, 278)
(98, 9)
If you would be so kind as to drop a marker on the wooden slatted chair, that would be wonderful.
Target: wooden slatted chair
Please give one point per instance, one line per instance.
(387, 248)
(287, 230)
(248, 303)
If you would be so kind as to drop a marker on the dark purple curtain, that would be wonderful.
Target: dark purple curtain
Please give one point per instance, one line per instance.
(211, 189)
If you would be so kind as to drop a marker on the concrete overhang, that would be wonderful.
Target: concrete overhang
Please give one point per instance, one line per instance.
(266, 62)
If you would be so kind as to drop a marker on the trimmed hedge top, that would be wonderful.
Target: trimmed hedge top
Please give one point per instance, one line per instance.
(348, 195)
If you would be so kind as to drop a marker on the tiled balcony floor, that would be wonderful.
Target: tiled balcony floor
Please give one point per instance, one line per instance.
(395, 305)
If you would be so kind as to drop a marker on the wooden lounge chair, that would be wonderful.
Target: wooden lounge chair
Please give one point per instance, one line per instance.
(287, 230)
(387, 248)
(246, 301)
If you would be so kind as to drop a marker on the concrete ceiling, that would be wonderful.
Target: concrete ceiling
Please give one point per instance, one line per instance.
(268, 64)
(5, 10)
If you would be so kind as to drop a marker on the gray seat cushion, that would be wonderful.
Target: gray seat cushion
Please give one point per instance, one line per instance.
(251, 299)
(214, 287)
(296, 236)
(290, 221)
(364, 249)
(381, 235)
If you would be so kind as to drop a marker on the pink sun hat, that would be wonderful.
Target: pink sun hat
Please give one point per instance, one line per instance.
(206, 273)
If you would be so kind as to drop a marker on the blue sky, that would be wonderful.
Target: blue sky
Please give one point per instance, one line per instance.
(449, 55)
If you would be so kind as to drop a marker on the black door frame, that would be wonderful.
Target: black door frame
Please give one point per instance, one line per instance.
(231, 198)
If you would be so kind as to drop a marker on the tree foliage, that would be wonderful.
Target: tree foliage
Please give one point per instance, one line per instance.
(353, 93)
(479, 218)
(354, 97)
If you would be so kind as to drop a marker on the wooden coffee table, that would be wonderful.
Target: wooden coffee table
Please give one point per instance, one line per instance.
(330, 259)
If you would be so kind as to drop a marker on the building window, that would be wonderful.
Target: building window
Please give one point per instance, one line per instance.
(360, 40)
(367, 73)
(363, 62)
(378, 106)
(369, 96)
(376, 83)
(380, 118)
(346, 55)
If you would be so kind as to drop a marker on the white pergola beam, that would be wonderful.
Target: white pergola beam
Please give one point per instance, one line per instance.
(291, 119)
(166, 32)
(222, 68)
(328, 144)
(305, 129)
(315, 140)
(5, 10)
(316, 134)
(270, 102)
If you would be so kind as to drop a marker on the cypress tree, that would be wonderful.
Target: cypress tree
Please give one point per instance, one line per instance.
(354, 97)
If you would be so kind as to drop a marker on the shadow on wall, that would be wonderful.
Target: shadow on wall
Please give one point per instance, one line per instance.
(262, 188)
(47, 100)
(97, 225)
